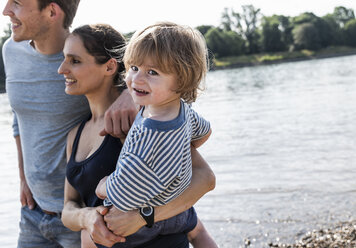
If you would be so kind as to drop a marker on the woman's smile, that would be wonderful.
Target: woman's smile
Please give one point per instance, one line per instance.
(70, 81)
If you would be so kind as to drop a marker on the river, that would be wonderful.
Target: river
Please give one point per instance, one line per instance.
(282, 149)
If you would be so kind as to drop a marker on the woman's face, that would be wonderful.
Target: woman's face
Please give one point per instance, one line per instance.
(82, 74)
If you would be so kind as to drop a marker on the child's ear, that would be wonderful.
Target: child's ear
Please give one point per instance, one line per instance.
(111, 66)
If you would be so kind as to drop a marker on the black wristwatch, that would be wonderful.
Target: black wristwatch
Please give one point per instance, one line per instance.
(148, 214)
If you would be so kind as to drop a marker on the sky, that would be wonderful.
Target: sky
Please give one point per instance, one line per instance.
(127, 16)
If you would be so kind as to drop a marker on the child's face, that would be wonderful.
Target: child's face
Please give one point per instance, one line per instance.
(83, 75)
(148, 85)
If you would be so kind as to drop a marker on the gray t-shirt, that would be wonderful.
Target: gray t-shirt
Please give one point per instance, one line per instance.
(43, 115)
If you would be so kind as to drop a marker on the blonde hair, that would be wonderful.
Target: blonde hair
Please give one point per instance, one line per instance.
(173, 49)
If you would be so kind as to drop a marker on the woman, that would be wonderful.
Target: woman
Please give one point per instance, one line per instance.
(93, 67)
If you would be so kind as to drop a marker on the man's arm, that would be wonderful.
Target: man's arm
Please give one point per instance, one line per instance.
(25, 192)
(120, 116)
(203, 181)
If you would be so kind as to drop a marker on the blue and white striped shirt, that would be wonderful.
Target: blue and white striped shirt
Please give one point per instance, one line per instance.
(155, 163)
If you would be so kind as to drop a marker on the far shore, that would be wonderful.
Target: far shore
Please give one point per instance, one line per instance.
(281, 57)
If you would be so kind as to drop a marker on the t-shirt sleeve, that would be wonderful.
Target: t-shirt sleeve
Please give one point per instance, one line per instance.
(15, 126)
(5, 54)
(133, 183)
(200, 126)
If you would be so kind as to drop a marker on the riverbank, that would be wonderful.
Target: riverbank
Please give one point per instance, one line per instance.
(280, 57)
(342, 235)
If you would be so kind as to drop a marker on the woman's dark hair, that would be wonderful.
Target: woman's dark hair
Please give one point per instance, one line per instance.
(103, 42)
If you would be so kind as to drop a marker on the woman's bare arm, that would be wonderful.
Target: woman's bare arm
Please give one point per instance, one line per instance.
(203, 181)
(197, 143)
(76, 216)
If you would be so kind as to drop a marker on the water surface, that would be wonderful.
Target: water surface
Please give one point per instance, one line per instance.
(282, 149)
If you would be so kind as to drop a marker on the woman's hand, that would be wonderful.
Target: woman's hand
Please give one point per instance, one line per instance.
(95, 226)
(76, 217)
(123, 223)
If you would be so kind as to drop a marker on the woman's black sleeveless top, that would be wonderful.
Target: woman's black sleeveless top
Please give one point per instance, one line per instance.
(84, 176)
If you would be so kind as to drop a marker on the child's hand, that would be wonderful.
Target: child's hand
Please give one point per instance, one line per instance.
(100, 190)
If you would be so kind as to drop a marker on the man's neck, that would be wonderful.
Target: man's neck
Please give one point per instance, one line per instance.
(52, 43)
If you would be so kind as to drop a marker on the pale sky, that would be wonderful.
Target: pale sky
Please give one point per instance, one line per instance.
(128, 16)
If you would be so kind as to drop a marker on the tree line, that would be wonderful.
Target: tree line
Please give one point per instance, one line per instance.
(250, 32)
(2, 71)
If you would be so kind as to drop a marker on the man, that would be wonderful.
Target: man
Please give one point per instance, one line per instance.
(43, 114)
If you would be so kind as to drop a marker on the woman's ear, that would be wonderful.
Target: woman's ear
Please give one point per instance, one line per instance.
(111, 66)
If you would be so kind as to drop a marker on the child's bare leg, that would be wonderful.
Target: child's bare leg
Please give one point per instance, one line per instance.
(87, 242)
(200, 238)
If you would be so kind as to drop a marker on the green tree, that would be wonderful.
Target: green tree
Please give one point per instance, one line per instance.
(286, 26)
(271, 37)
(2, 71)
(342, 15)
(336, 34)
(306, 36)
(215, 42)
(204, 28)
(224, 43)
(226, 20)
(247, 23)
(234, 42)
(311, 31)
(350, 32)
(324, 32)
(306, 17)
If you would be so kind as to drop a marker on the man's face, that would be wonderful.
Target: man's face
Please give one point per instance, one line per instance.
(28, 22)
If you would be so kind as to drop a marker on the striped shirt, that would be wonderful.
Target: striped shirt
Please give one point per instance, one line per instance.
(155, 163)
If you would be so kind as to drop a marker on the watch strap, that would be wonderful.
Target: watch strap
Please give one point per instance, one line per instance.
(149, 218)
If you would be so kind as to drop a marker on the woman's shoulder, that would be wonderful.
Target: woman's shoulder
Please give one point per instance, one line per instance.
(71, 135)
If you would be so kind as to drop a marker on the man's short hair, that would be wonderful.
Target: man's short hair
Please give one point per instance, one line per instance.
(69, 8)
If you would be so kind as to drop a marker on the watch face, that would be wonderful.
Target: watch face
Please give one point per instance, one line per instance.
(147, 211)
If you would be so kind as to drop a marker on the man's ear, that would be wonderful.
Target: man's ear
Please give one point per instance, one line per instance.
(55, 12)
(111, 66)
